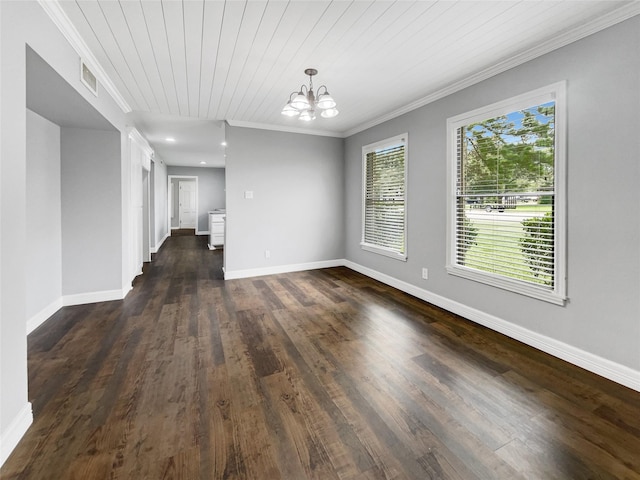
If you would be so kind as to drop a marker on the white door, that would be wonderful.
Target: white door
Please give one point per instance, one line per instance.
(187, 199)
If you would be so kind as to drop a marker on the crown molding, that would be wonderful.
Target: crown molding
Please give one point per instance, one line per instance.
(284, 128)
(62, 21)
(137, 137)
(605, 21)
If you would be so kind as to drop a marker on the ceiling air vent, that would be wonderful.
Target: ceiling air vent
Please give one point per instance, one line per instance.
(88, 78)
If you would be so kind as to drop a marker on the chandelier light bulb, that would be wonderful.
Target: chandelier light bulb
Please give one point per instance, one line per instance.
(289, 111)
(326, 101)
(300, 102)
(308, 115)
(329, 113)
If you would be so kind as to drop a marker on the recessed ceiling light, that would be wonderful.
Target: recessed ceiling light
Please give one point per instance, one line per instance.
(224, 144)
(170, 139)
(203, 163)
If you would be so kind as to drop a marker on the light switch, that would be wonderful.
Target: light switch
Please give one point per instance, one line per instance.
(248, 194)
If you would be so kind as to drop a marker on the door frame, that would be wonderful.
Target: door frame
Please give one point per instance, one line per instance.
(172, 195)
(146, 215)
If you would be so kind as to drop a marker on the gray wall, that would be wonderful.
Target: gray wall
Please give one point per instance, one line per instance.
(298, 199)
(603, 311)
(43, 214)
(91, 210)
(211, 192)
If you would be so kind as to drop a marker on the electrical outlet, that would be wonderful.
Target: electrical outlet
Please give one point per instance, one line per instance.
(267, 254)
(425, 273)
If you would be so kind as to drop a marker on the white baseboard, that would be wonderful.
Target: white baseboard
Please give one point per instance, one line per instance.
(257, 272)
(202, 232)
(77, 299)
(94, 297)
(125, 291)
(156, 249)
(10, 437)
(40, 317)
(189, 228)
(606, 368)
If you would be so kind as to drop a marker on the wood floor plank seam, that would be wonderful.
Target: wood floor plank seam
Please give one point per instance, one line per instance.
(320, 374)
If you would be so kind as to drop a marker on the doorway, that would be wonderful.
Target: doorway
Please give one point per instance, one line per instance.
(187, 204)
(183, 202)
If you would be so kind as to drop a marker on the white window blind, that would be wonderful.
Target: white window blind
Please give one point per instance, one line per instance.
(384, 211)
(506, 226)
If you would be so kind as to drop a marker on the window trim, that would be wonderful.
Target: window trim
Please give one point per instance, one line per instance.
(398, 139)
(557, 93)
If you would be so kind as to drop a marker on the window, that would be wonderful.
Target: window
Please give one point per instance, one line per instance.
(384, 203)
(506, 201)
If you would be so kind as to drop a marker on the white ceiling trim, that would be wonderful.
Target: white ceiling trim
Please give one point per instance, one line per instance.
(284, 128)
(619, 15)
(61, 20)
(137, 137)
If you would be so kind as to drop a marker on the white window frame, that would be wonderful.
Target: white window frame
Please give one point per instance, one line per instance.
(557, 93)
(383, 144)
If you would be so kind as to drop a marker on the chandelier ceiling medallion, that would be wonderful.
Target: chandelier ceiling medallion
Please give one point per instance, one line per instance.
(304, 103)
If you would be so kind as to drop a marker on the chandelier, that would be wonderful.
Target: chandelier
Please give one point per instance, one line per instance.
(304, 103)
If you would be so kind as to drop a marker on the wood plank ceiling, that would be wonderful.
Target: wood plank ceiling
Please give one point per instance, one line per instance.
(240, 60)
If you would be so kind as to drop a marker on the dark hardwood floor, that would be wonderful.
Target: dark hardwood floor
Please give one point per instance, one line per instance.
(183, 231)
(322, 374)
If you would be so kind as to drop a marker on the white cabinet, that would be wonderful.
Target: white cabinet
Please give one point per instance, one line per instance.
(216, 229)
